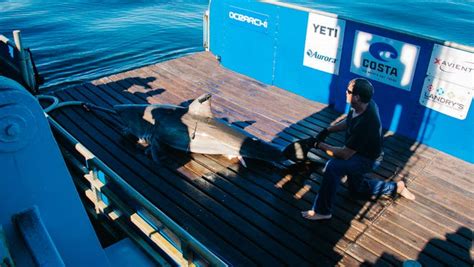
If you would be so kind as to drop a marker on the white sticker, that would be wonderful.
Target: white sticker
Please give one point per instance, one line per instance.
(323, 45)
(445, 97)
(385, 60)
(452, 65)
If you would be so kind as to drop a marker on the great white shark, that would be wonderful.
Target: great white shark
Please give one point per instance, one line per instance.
(195, 129)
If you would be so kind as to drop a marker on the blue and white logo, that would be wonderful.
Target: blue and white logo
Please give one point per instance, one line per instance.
(323, 44)
(383, 52)
(385, 60)
(248, 19)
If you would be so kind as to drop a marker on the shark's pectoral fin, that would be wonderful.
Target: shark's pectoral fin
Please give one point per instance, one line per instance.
(242, 161)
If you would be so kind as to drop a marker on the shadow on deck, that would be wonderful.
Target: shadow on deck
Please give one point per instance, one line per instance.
(252, 215)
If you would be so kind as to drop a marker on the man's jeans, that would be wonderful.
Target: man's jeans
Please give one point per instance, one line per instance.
(354, 168)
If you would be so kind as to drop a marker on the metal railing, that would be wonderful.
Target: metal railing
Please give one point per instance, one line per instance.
(19, 63)
(205, 30)
(171, 238)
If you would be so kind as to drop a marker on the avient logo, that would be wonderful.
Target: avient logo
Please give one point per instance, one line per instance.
(452, 67)
(317, 56)
(248, 19)
(385, 53)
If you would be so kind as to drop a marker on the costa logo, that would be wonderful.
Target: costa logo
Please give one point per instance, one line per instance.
(384, 59)
(383, 51)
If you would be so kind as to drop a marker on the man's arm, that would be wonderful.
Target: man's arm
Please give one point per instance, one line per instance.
(333, 151)
(337, 152)
(338, 127)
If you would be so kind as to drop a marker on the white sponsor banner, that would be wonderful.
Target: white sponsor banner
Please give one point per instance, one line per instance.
(323, 45)
(445, 97)
(452, 65)
(385, 60)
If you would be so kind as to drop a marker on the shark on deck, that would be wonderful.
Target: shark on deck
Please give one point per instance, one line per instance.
(195, 129)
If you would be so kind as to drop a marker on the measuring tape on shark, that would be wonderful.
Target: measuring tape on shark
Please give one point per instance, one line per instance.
(194, 129)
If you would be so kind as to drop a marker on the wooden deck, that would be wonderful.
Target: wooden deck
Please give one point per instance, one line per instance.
(251, 215)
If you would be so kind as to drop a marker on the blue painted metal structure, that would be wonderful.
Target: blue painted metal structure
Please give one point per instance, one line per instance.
(34, 174)
(270, 47)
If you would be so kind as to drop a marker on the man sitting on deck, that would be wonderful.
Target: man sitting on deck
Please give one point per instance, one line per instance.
(360, 154)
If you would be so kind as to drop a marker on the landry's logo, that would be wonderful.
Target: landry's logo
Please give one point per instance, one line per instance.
(384, 54)
(442, 96)
(452, 67)
(319, 56)
(258, 22)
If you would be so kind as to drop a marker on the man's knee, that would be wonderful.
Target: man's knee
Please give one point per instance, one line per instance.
(333, 167)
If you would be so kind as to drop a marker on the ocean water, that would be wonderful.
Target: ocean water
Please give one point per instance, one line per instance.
(79, 40)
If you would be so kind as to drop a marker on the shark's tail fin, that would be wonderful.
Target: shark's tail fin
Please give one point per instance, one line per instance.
(298, 150)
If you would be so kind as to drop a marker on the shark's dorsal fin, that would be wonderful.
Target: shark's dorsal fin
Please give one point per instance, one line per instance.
(201, 106)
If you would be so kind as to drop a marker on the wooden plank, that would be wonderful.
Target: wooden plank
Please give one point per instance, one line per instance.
(366, 257)
(284, 209)
(442, 204)
(245, 204)
(292, 242)
(303, 241)
(242, 223)
(382, 250)
(237, 89)
(162, 190)
(431, 220)
(287, 195)
(304, 136)
(454, 173)
(221, 106)
(298, 105)
(449, 195)
(435, 246)
(348, 260)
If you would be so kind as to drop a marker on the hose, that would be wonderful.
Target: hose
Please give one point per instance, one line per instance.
(56, 104)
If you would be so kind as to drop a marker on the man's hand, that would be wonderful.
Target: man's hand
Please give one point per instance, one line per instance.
(321, 137)
(337, 152)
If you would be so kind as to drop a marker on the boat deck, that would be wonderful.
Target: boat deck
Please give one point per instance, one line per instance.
(252, 215)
